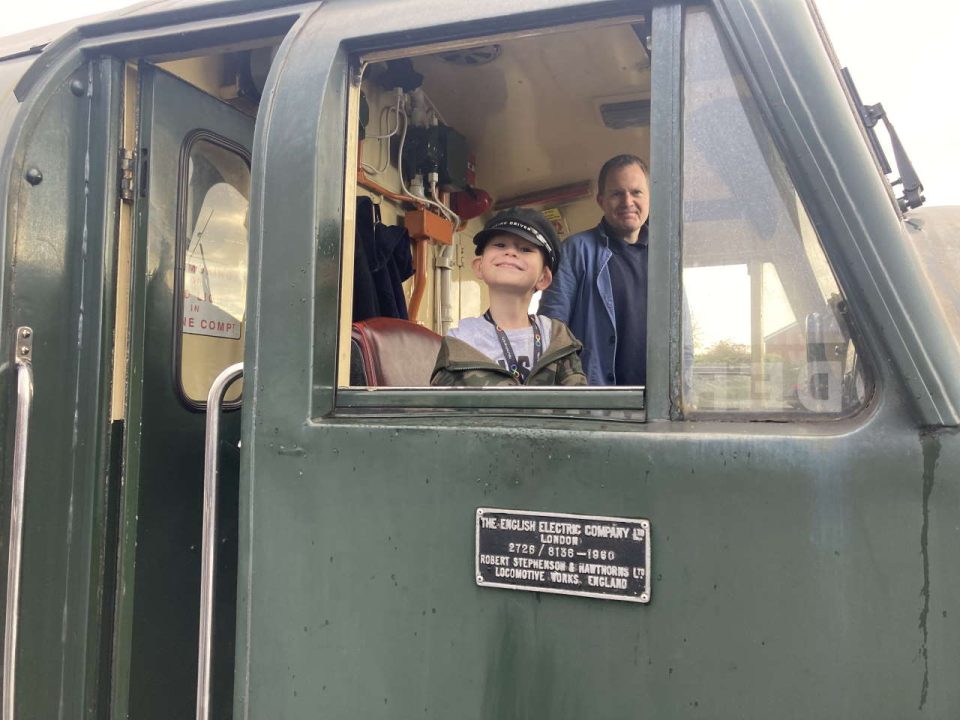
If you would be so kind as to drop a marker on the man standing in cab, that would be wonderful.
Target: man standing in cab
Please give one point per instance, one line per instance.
(600, 287)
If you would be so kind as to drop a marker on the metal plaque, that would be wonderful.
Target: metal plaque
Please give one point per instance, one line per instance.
(588, 555)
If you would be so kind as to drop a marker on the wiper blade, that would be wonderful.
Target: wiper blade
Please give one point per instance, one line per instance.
(870, 115)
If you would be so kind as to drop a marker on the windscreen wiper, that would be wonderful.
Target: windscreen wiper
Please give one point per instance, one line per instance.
(870, 115)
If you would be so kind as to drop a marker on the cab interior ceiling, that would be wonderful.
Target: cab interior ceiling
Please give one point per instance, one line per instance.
(234, 74)
(532, 114)
(235, 48)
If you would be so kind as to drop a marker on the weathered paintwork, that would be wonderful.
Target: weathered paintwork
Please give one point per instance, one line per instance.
(800, 569)
(796, 569)
(58, 272)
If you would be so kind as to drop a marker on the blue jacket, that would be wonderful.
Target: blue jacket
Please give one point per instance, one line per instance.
(581, 295)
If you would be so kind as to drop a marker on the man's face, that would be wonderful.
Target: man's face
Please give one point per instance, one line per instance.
(625, 201)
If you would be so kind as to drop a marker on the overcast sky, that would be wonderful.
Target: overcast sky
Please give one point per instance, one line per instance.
(906, 55)
(903, 54)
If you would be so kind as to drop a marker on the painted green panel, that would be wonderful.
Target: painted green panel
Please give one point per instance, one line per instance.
(60, 242)
(156, 658)
(788, 569)
(799, 569)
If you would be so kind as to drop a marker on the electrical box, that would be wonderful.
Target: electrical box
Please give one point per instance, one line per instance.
(439, 149)
(454, 155)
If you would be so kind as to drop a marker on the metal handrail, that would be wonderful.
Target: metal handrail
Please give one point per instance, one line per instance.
(209, 542)
(23, 357)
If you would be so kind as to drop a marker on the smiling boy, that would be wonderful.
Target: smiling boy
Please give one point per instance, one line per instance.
(517, 252)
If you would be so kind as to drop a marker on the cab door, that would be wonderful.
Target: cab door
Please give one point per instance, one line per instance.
(58, 188)
(794, 523)
(187, 324)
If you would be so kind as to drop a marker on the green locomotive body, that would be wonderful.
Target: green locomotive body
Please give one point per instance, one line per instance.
(764, 530)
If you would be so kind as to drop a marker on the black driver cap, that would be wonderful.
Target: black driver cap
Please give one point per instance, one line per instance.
(525, 223)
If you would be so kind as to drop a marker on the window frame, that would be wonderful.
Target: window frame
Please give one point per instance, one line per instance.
(183, 166)
(333, 215)
(807, 196)
(618, 402)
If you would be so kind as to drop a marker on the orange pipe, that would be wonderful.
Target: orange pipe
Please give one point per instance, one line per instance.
(419, 278)
(369, 184)
(376, 187)
(421, 256)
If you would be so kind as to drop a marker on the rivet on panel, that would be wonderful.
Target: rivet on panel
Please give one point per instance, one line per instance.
(78, 87)
(34, 176)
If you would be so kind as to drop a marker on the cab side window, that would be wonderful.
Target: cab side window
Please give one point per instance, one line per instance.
(768, 320)
(215, 190)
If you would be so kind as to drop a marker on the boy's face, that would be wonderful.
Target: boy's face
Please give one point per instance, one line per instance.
(511, 263)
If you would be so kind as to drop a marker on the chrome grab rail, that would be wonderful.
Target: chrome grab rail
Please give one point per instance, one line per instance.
(23, 356)
(208, 547)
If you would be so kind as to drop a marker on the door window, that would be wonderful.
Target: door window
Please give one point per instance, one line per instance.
(215, 190)
(769, 322)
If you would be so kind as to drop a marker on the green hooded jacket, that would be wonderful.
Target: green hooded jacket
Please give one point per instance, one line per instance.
(460, 364)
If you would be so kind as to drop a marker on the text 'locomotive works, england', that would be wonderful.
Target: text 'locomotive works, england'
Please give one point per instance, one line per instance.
(588, 555)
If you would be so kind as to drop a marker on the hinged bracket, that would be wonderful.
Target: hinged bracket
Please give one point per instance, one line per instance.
(127, 180)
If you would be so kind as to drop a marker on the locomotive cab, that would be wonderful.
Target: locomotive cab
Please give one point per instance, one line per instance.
(295, 188)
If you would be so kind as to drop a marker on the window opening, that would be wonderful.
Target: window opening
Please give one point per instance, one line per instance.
(448, 138)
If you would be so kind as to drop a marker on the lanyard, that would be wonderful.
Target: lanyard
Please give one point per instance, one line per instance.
(512, 365)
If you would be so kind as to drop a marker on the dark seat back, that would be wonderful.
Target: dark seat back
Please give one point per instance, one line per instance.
(387, 352)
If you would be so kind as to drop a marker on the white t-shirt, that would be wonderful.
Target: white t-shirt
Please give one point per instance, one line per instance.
(482, 335)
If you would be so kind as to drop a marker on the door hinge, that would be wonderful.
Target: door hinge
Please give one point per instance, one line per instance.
(128, 164)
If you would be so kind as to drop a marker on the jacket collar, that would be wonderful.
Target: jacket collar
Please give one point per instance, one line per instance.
(606, 232)
(458, 355)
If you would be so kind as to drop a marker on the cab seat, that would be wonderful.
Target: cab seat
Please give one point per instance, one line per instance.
(388, 352)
